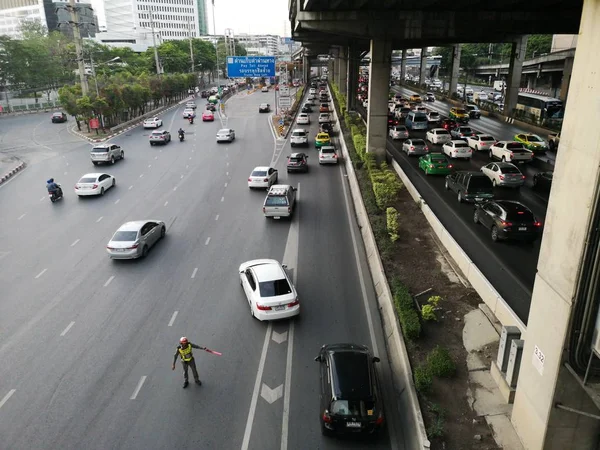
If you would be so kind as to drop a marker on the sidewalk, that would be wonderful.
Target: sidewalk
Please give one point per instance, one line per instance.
(9, 167)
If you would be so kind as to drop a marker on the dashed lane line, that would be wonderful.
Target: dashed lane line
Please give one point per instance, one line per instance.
(74, 242)
(194, 272)
(66, 330)
(21, 216)
(112, 277)
(99, 219)
(138, 388)
(40, 274)
(6, 397)
(173, 317)
(207, 241)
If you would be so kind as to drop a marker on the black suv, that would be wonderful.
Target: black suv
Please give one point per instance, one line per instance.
(470, 186)
(297, 162)
(326, 128)
(507, 219)
(350, 395)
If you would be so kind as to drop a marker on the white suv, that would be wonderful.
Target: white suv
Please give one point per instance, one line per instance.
(299, 137)
(106, 153)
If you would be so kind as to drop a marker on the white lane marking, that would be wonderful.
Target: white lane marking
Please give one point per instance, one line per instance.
(65, 173)
(175, 188)
(271, 395)
(290, 256)
(227, 164)
(21, 216)
(259, 374)
(40, 274)
(167, 202)
(173, 318)
(225, 184)
(222, 199)
(99, 219)
(42, 199)
(6, 397)
(156, 157)
(227, 173)
(137, 389)
(190, 158)
(149, 165)
(75, 243)
(207, 241)
(187, 167)
(217, 217)
(117, 201)
(182, 177)
(142, 175)
(359, 268)
(66, 330)
(194, 272)
(67, 164)
(279, 337)
(112, 277)
(131, 187)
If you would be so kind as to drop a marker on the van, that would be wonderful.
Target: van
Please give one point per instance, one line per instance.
(416, 121)
(280, 201)
(470, 186)
(499, 85)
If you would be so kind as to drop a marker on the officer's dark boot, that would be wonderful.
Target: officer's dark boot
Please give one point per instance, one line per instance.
(185, 384)
(199, 383)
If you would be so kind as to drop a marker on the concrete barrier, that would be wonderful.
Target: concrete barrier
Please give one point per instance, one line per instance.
(473, 275)
(7, 176)
(416, 435)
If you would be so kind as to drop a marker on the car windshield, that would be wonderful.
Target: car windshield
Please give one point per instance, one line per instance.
(100, 149)
(518, 214)
(420, 118)
(327, 150)
(157, 133)
(57, 114)
(274, 288)
(259, 173)
(510, 169)
(418, 142)
(438, 159)
(533, 138)
(357, 408)
(438, 132)
(461, 111)
(514, 146)
(125, 236)
(486, 138)
(480, 183)
(465, 130)
(296, 159)
(433, 114)
(322, 136)
(299, 134)
(87, 180)
(263, 105)
(278, 200)
(461, 144)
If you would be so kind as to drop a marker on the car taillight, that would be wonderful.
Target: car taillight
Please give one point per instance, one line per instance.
(450, 166)
(95, 186)
(379, 420)
(76, 187)
(110, 248)
(512, 155)
(265, 180)
(249, 179)
(537, 224)
(321, 156)
(133, 246)
(522, 177)
(501, 177)
(264, 210)
(412, 147)
(426, 148)
(326, 417)
(505, 223)
(262, 307)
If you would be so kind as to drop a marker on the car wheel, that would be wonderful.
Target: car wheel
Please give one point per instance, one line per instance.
(114, 183)
(503, 158)
(163, 231)
(325, 431)
(95, 163)
(491, 155)
(494, 233)
(151, 144)
(102, 191)
(446, 185)
(112, 159)
(535, 182)
(476, 217)
(494, 184)
(459, 197)
(552, 145)
(122, 155)
(145, 251)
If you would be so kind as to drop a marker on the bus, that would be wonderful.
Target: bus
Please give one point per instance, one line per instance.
(544, 109)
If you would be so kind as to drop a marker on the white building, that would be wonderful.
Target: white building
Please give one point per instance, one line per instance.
(259, 45)
(14, 12)
(130, 22)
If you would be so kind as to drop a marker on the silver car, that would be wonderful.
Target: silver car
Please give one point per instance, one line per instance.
(226, 135)
(415, 147)
(504, 174)
(135, 239)
(328, 155)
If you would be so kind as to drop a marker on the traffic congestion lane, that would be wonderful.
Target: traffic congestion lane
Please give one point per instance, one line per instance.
(137, 303)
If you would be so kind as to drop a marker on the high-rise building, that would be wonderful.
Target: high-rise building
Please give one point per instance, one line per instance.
(202, 18)
(259, 44)
(13, 13)
(58, 17)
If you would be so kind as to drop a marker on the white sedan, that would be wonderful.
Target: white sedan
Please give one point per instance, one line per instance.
(457, 149)
(480, 141)
(303, 119)
(438, 136)
(324, 118)
(187, 112)
(94, 184)
(154, 122)
(226, 135)
(269, 291)
(262, 177)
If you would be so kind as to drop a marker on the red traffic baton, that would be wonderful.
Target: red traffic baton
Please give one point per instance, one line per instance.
(214, 352)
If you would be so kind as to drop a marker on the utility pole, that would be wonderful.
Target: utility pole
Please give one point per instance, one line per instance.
(78, 47)
(158, 71)
(216, 43)
(191, 46)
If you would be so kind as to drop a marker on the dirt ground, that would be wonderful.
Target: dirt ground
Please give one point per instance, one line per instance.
(421, 265)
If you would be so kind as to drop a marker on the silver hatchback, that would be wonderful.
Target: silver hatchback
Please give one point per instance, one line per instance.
(415, 147)
(135, 239)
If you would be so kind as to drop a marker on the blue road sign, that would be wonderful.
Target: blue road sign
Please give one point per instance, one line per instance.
(250, 66)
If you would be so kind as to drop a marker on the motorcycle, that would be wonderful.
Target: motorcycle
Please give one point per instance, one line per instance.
(181, 137)
(191, 119)
(56, 195)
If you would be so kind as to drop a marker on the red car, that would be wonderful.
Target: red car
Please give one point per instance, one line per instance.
(208, 116)
(448, 124)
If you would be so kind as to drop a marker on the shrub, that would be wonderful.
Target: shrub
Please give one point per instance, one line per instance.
(436, 428)
(428, 313)
(385, 193)
(392, 223)
(410, 323)
(440, 362)
(423, 379)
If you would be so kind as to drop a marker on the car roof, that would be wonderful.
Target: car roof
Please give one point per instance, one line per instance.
(327, 147)
(297, 155)
(505, 164)
(260, 168)
(321, 134)
(224, 130)
(350, 371)
(101, 145)
(268, 271)
(512, 205)
(135, 225)
(95, 174)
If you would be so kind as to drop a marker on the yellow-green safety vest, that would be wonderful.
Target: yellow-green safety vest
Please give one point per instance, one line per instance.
(186, 353)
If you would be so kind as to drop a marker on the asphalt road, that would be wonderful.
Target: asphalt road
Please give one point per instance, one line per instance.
(87, 342)
(509, 266)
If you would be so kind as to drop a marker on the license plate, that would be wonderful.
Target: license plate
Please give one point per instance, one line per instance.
(120, 249)
(522, 228)
(353, 424)
(282, 307)
(478, 199)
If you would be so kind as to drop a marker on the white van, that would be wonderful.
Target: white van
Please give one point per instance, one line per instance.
(499, 85)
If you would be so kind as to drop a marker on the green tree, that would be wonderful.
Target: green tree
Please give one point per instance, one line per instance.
(538, 44)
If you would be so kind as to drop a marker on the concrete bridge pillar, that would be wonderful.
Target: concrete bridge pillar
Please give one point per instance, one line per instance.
(379, 79)
(403, 67)
(515, 69)
(305, 69)
(566, 273)
(353, 67)
(343, 70)
(455, 70)
(566, 79)
(423, 71)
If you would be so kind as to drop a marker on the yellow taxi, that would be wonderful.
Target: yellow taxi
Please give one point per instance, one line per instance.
(460, 115)
(415, 98)
(322, 139)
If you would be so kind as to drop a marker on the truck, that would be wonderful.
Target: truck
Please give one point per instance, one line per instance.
(499, 85)
(509, 151)
(553, 141)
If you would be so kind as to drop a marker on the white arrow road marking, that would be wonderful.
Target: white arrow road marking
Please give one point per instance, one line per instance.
(280, 337)
(271, 395)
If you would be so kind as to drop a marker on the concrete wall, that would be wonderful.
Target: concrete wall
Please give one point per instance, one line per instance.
(542, 380)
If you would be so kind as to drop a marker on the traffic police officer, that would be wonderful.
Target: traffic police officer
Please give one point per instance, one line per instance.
(184, 350)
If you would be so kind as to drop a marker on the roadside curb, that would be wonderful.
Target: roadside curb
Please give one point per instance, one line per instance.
(124, 130)
(29, 111)
(7, 176)
(416, 437)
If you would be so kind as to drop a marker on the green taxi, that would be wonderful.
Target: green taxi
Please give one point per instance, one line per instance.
(435, 164)
(532, 142)
(322, 139)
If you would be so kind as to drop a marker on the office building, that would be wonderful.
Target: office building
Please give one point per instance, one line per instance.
(259, 45)
(58, 17)
(202, 18)
(13, 13)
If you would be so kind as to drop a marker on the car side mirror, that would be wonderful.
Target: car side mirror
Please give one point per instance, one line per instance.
(318, 358)
(295, 189)
(284, 266)
(376, 359)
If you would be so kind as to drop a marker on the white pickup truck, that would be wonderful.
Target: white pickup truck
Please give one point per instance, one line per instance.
(510, 151)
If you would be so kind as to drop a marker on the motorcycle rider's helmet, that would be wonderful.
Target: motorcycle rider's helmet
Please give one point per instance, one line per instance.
(183, 340)
(51, 180)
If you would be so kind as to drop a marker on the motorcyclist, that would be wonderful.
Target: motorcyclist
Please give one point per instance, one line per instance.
(191, 119)
(181, 133)
(53, 188)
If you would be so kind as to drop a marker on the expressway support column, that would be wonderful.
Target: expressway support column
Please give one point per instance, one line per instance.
(455, 70)
(377, 113)
(515, 69)
(353, 65)
(305, 69)
(423, 71)
(343, 70)
(562, 315)
(566, 79)
(403, 67)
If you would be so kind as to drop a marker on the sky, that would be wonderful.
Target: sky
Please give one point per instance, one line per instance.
(240, 15)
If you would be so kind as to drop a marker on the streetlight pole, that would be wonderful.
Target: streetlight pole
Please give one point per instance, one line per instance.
(216, 43)
(96, 80)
